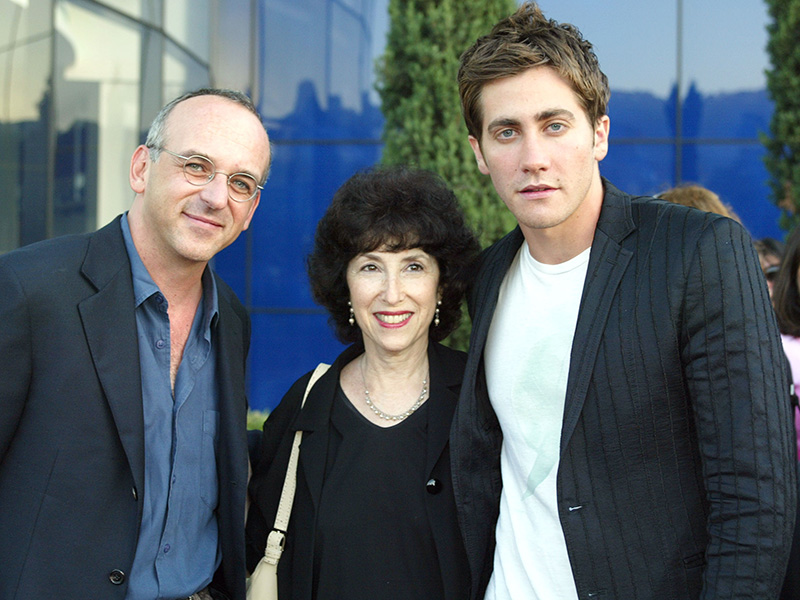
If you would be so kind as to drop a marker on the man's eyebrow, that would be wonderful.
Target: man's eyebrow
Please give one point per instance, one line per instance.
(555, 112)
(502, 122)
(191, 152)
(204, 155)
(543, 115)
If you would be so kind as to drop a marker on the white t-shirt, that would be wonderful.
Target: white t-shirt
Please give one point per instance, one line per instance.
(527, 366)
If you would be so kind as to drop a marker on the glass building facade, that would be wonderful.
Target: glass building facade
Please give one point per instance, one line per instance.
(81, 81)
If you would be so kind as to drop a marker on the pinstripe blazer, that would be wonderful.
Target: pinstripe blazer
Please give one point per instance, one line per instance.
(676, 476)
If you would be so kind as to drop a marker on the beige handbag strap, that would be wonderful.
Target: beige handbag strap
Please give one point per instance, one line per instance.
(276, 538)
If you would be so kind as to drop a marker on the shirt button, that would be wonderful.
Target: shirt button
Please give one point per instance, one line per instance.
(116, 577)
(166, 548)
(160, 344)
(434, 486)
(135, 494)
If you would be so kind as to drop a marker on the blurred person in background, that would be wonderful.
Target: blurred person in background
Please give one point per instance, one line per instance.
(770, 255)
(698, 197)
(786, 300)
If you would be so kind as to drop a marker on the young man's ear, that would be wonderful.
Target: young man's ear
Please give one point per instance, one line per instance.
(601, 130)
(476, 148)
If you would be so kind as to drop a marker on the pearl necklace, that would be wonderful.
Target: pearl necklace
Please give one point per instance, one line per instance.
(386, 416)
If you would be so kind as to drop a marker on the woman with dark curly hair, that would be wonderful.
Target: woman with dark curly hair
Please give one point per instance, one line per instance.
(374, 514)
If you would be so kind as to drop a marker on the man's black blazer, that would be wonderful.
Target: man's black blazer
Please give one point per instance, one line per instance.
(676, 475)
(71, 425)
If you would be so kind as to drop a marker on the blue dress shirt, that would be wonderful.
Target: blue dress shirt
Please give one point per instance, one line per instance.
(177, 552)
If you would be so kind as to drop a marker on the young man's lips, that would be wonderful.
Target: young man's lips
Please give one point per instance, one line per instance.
(536, 191)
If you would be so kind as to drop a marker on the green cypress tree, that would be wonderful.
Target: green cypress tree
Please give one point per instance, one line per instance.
(416, 80)
(419, 94)
(783, 82)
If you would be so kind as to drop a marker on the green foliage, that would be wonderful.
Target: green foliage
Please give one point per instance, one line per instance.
(256, 418)
(419, 93)
(783, 82)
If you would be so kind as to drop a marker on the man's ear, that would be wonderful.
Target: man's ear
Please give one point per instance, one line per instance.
(254, 203)
(140, 163)
(476, 148)
(601, 131)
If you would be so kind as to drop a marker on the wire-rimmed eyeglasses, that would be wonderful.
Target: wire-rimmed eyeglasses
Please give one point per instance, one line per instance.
(200, 170)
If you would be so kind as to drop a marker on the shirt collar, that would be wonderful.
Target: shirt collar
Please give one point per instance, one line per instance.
(144, 286)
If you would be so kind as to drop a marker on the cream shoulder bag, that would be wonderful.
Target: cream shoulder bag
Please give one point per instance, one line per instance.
(263, 583)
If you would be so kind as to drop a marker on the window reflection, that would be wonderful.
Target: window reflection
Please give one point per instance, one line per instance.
(181, 73)
(187, 22)
(23, 21)
(96, 82)
(72, 99)
(24, 112)
(130, 7)
(317, 68)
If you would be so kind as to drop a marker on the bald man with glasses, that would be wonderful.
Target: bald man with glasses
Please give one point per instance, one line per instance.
(123, 448)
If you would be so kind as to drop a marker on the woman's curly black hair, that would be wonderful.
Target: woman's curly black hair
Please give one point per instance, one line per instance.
(396, 208)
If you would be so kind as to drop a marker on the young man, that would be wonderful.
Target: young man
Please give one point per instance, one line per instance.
(123, 451)
(624, 427)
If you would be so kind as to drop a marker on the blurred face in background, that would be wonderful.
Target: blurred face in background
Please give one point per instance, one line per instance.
(770, 265)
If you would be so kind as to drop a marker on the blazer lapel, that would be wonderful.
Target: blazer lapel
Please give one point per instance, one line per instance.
(110, 327)
(230, 347)
(475, 437)
(314, 421)
(230, 379)
(444, 379)
(607, 264)
(484, 299)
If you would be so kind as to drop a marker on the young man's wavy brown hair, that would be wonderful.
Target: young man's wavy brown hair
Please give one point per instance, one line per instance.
(525, 40)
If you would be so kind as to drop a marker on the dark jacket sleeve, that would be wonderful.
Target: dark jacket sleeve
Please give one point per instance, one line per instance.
(15, 353)
(734, 368)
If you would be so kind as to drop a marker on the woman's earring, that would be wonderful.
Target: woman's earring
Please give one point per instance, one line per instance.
(436, 314)
(352, 319)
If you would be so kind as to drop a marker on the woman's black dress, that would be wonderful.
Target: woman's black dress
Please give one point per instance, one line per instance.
(373, 539)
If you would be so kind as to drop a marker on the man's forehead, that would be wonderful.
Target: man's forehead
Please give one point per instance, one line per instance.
(212, 125)
(539, 92)
(202, 112)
